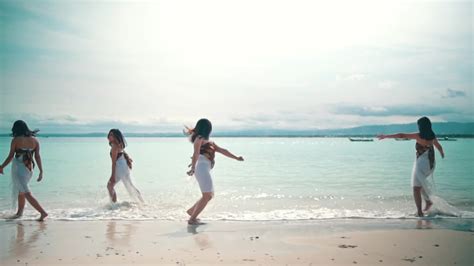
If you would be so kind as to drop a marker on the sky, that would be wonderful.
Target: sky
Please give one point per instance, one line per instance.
(154, 66)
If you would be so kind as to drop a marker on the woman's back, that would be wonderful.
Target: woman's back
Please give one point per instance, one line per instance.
(29, 143)
(424, 142)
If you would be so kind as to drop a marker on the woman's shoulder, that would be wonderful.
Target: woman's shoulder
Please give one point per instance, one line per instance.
(203, 141)
(17, 138)
(24, 138)
(200, 139)
(114, 147)
(14, 142)
(425, 142)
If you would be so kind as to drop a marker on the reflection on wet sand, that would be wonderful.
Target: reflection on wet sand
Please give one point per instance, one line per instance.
(424, 224)
(201, 238)
(24, 242)
(120, 234)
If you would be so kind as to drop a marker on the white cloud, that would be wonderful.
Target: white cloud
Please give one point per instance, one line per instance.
(133, 62)
(386, 84)
(357, 77)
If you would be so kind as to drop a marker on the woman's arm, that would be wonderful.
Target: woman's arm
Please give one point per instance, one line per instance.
(113, 155)
(9, 157)
(439, 147)
(399, 136)
(38, 160)
(197, 149)
(228, 153)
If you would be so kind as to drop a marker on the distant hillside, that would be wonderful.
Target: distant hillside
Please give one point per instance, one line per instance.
(441, 129)
(448, 128)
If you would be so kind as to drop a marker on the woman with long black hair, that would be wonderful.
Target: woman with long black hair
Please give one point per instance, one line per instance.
(202, 163)
(424, 165)
(24, 151)
(121, 166)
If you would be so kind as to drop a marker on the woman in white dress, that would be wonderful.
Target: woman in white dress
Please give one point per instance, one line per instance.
(24, 148)
(202, 163)
(424, 165)
(121, 166)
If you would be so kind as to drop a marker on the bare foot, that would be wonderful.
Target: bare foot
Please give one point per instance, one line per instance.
(13, 217)
(190, 213)
(428, 206)
(42, 217)
(194, 221)
(419, 214)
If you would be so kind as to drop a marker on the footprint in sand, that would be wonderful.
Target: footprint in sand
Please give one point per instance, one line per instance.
(410, 260)
(347, 246)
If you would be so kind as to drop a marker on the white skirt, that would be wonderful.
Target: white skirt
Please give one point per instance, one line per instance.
(21, 176)
(422, 175)
(123, 173)
(203, 174)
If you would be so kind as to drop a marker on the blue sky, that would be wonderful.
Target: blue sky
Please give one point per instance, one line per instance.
(152, 66)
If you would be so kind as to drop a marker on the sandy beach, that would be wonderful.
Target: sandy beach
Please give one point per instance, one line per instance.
(338, 242)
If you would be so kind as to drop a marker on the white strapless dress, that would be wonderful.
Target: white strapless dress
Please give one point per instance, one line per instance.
(422, 175)
(123, 173)
(21, 176)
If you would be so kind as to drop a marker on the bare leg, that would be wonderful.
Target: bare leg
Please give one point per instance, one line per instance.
(112, 194)
(36, 205)
(199, 206)
(21, 204)
(427, 199)
(190, 210)
(417, 197)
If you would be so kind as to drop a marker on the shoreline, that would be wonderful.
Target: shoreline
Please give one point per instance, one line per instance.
(342, 242)
(465, 224)
(178, 136)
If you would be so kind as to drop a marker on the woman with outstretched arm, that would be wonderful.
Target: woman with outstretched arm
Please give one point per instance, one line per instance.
(424, 165)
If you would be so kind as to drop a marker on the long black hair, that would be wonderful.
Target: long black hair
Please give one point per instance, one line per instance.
(118, 136)
(20, 129)
(203, 129)
(424, 126)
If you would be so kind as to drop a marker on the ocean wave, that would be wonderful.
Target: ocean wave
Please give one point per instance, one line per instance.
(134, 211)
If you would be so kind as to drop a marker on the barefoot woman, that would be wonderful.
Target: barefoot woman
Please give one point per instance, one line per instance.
(24, 147)
(425, 161)
(202, 163)
(121, 166)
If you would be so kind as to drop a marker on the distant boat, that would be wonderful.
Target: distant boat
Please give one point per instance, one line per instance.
(361, 139)
(401, 139)
(447, 139)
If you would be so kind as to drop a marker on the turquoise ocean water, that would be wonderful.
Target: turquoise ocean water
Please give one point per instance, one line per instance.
(281, 179)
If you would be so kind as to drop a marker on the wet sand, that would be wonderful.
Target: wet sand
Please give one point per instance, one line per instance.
(219, 242)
